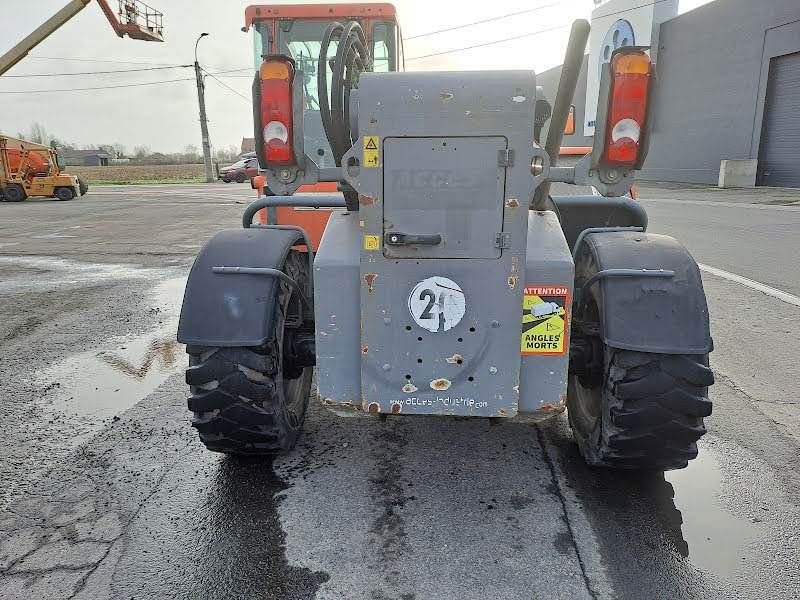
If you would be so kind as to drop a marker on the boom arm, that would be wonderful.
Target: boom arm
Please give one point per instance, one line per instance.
(41, 33)
(128, 23)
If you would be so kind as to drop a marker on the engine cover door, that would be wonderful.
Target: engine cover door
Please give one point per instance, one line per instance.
(443, 197)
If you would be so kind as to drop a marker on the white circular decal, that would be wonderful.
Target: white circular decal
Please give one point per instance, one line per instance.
(437, 304)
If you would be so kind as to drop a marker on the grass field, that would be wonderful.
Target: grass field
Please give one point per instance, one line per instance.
(137, 174)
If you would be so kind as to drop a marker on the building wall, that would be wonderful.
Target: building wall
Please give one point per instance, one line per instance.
(713, 65)
(712, 71)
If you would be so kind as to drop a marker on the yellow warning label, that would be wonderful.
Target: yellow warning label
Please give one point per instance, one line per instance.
(372, 242)
(544, 319)
(372, 152)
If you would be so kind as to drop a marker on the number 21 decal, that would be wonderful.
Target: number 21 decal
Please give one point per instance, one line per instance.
(437, 304)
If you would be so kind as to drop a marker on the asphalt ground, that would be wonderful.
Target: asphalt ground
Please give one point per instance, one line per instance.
(105, 491)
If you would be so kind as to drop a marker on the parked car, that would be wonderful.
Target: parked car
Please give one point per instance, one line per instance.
(240, 171)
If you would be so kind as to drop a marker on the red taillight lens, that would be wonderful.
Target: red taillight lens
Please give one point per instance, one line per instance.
(631, 73)
(276, 110)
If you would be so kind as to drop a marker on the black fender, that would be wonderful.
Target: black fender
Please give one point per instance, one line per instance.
(665, 315)
(577, 213)
(234, 310)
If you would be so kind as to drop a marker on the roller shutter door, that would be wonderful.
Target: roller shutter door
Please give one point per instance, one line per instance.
(779, 153)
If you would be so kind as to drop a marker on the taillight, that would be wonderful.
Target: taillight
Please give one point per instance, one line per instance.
(276, 110)
(631, 73)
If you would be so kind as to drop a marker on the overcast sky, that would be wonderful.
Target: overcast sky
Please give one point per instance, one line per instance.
(164, 117)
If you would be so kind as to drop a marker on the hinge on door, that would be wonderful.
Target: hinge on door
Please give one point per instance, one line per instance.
(502, 240)
(505, 158)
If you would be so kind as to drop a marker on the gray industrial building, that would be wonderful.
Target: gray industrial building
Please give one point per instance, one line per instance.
(728, 88)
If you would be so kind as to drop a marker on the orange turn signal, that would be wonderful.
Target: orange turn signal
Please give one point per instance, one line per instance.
(632, 64)
(275, 69)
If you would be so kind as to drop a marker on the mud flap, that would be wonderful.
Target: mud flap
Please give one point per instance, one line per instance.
(231, 311)
(666, 315)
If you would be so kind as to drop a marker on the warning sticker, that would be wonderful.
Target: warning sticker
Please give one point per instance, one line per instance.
(372, 242)
(544, 320)
(372, 153)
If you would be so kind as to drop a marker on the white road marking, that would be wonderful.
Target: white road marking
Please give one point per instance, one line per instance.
(754, 285)
(790, 207)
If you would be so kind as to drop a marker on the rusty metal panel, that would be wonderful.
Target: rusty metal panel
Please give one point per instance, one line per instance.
(442, 335)
(549, 276)
(336, 309)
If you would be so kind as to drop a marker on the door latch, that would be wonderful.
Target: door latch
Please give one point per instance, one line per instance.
(397, 238)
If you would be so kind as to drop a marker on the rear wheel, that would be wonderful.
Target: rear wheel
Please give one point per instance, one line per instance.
(64, 193)
(253, 400)
(14, 193)
(241, 178)
(644, 411)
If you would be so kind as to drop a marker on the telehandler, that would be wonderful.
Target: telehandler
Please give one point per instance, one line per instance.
(422, 295)
(28, 169)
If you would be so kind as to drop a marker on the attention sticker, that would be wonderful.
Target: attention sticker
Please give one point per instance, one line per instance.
(544, 320)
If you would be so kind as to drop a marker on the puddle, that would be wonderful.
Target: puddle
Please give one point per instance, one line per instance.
(713, 539)
(106, 381)
(43, 273)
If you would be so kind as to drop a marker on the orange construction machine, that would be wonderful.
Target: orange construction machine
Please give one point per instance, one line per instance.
(133, 18)
(28, 169)
(297, 31)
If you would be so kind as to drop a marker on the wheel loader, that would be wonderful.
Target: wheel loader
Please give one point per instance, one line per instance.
(448, 280)
(28, 169)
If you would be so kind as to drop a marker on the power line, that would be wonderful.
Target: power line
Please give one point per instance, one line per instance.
(97, 72)
(251, 69)
(225, 85)
(508, 39)
(489, 20)
(99, 60)
(103, 87)
(117, 62)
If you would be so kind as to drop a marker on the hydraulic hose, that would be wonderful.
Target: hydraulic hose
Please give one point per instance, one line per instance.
(352, 58)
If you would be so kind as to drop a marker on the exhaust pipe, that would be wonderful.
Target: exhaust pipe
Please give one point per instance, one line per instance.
(573, 59)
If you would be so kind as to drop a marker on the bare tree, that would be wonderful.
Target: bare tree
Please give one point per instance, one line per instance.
(140, 152)
(39, 134)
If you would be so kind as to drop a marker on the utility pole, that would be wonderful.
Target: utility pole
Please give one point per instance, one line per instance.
(201, 97)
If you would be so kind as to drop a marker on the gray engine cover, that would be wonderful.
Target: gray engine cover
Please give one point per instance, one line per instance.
(447, 155)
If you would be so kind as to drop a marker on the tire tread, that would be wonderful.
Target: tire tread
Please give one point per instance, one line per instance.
(652, 412)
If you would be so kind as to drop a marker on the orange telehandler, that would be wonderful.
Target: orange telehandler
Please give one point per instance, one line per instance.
(28, 169)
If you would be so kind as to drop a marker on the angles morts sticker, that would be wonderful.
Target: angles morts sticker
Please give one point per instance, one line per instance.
(544, 319)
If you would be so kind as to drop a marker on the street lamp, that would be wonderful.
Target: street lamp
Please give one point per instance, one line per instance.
(201, 98)
(200, 37)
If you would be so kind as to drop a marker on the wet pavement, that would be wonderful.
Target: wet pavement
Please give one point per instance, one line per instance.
(106, 492)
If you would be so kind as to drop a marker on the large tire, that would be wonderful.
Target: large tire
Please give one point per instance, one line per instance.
(243, 399)
(14, 193)
(646, 412)
(64, 193)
